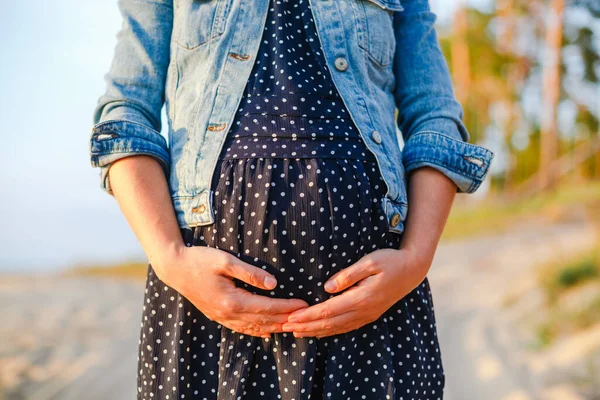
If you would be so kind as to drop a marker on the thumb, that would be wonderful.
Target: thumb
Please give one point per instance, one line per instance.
(348, 276)
(251, 274)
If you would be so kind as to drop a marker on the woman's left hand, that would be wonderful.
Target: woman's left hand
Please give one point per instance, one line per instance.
(374, 283)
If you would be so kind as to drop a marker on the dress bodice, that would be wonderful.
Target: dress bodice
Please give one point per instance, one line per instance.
(290, 106)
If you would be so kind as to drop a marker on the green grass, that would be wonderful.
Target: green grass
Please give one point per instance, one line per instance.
(576, 273)
(561, 323)
(557, 281)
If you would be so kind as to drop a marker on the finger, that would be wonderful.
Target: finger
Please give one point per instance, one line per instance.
(255, 303)
(348, 276)
(249, 273)
(263, 318)
(254, 324)
(240, 328)
(320, 333)
(347, 301)
(322, 325)
(256, 328)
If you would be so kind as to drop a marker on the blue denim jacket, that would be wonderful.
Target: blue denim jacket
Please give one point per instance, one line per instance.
(195, 57)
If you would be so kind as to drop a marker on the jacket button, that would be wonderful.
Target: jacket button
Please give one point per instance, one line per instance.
(200, 209)
(376, 137)
(395, 220)
(341, 64)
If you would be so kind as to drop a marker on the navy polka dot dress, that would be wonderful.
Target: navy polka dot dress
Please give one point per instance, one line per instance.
(297, 192)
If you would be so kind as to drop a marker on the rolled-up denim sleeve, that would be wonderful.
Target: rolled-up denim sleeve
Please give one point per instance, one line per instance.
(429, 116)
(127, 117)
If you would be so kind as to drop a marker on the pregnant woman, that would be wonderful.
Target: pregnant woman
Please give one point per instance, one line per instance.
(290, 274)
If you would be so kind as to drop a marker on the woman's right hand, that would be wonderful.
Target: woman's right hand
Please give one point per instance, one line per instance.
(204, 275)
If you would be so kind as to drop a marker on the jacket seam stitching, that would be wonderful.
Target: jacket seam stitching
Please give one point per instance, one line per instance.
(444, 164)
(462, 142)
(123, 121)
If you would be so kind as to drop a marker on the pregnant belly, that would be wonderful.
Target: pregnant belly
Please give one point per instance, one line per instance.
(301, 219)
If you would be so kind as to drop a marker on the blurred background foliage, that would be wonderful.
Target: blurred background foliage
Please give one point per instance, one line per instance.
(527, 73)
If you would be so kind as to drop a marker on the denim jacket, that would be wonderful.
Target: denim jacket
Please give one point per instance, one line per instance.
(195, 56)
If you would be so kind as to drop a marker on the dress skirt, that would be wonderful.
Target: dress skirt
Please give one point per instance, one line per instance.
(303, 220)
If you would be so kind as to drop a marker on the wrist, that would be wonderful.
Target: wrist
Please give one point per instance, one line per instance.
(163, 260)
(419, 260)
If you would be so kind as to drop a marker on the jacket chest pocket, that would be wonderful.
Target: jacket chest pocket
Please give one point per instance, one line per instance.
(375, 29)
(199, 21)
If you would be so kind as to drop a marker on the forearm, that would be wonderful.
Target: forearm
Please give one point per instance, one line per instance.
(430, 198)
(142, 191)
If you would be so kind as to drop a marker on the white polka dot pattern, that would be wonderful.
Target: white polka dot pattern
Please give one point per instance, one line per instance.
(290, 106)
(296, 192)
(302, 220)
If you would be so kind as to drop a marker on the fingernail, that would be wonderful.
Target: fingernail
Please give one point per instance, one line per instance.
(270, 281)
(330, 285)
(292, 319)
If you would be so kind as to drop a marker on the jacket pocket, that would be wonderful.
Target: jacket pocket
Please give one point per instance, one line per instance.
(199, 21)
(375, 29)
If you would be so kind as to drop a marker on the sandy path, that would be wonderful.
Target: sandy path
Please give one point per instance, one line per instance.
(76, 338)
(68, 338)
(483, 358)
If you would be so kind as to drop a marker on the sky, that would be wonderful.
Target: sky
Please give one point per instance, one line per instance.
(53, 57)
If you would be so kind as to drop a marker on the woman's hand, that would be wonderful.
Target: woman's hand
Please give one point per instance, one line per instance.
(204, 275)
(383, 277)
(380, 279)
